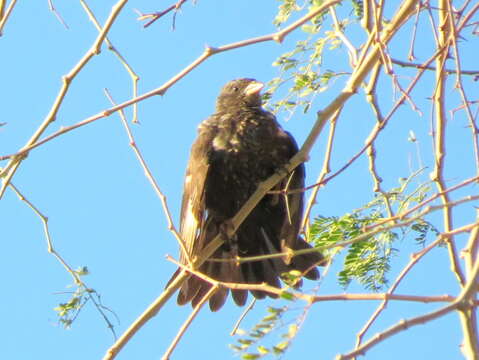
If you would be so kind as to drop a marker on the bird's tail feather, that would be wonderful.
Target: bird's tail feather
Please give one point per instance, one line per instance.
(266, 271)
(306, 263)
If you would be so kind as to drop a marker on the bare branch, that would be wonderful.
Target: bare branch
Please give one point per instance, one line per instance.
(468, 315)
(440, 132)
(324, 171)
(4, 15)
(401, 326)
(34, 142)
(433, 68)
(463, 301)
(243, 315)
(414, 260)
(134, 77)
(157, 15)
(188, 322)
(89, 292)
(317, 298)
(9, 171)
(151, 179)
(150, 312)
(56, 13)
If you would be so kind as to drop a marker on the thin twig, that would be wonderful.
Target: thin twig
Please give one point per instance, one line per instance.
(57, 14)
(243, 315)
(400, 326)
(15, 159)
(157, 15)
(465, 19)
(74, 274)
(134, 77)
(151, 179)
(9, 170)
(461, 301)
(371, 152)
(377, 128)
(324, 171)
(6, 14)
(414, 260)
(361, 71)
(369, 232)
(433, 68)
(459, 86)
(413, 35)
(188, 322)
(352, 52)
(46, 230)
(371, 98)
(150, 312)
(317, 298)
(423, 203)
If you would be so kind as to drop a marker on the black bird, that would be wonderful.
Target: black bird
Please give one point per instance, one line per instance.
(237, 147)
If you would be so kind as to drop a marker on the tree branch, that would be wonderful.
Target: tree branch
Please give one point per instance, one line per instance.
(34, 142)
(463, 302)
(433, 68)
(152, 180)
(5, 15)
(9, 171)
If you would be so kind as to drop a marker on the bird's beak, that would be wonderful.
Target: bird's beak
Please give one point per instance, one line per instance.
(253, 88)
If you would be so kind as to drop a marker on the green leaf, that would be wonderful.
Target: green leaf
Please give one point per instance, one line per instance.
(287, 295)
(280, 348)
(310, 29)
(245, 341)
(250, 356)
(292, 330)
(263, 350)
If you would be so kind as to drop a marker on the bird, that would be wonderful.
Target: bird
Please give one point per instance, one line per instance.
(236, 148)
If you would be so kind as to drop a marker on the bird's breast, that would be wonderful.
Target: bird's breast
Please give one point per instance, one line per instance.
(245, 135)
(247, 147)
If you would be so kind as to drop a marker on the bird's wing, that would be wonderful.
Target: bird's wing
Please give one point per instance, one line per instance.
(290, 228)
(193, 203)
(293, 202)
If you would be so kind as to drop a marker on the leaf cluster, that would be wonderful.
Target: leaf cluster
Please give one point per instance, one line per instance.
(68, 311)
(368, 261)
(300, 68)
(250, 345)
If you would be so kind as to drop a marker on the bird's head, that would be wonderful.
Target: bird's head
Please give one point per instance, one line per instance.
(239, 92)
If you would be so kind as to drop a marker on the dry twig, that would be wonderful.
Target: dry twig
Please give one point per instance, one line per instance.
(151, 179)
(5, 14)
(9, 170)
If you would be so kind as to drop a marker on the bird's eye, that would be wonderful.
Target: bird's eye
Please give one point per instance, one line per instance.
(235, 89)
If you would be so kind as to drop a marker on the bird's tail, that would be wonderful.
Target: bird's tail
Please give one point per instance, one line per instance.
(224, 268)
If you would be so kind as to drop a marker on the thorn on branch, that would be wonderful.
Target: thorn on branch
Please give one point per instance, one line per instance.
(278, 38)
(161, 92)
(66, 79)
(210, 50)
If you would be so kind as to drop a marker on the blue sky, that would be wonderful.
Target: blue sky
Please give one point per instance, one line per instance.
(104, 214)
